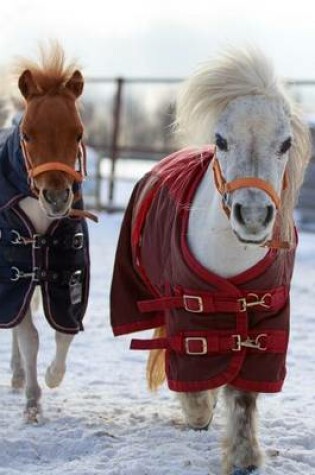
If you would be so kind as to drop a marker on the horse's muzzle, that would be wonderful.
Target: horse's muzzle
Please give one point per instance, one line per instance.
(252, 223)
(56, 202)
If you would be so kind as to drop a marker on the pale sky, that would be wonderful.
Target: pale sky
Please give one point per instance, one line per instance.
(161, 38)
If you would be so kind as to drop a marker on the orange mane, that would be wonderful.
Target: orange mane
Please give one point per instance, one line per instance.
(51, 72)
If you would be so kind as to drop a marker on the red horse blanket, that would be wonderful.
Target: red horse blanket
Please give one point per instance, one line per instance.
(219, 331)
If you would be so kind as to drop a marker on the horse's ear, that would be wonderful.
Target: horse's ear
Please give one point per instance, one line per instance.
(27, 85)
(75, 83)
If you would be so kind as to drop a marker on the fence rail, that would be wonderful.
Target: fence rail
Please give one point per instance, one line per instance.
(114, 151)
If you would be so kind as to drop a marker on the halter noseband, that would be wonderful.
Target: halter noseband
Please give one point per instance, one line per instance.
(34, 171)
(225, 187)
(78, 176)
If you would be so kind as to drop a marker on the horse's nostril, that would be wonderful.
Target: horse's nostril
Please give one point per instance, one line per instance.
(237, 210)
(269, 215)
(253, 216)
(65, 195)
(48, 195)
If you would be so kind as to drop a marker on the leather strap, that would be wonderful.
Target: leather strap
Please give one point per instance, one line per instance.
(82, 213)
(55, 166)
(273, 244)
(246, 182)
(78, 176)
(223, 187)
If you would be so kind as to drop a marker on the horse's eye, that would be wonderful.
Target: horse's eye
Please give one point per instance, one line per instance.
(79, 137)
(285, 146)
(221, 143)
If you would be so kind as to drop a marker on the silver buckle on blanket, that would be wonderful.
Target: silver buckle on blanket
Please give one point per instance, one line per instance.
(255, 343)
(200, 339)
(18, 274)
(195, 299)
(254, 300)
(38, 241)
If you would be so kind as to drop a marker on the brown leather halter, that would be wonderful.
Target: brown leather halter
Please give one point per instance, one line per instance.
(224, 187)
(78, 176)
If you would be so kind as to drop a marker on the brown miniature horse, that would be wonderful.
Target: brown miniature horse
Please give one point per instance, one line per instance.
(51, 132)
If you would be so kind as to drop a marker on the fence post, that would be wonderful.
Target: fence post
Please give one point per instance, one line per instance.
(114, 142)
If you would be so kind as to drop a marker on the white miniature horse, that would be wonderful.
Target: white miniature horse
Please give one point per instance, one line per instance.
(237, 103)
(51, 132)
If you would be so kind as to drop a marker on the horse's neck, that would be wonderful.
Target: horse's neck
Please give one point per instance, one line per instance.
(32, 209)
(210, 236)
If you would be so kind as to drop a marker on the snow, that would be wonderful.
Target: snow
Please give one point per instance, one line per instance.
(102, 420)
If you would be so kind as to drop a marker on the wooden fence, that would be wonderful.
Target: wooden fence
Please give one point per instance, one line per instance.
(114, 152)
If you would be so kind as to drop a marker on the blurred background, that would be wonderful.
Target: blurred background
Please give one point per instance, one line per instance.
(134, 54)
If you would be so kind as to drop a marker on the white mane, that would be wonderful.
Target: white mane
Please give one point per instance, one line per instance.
(236, 73)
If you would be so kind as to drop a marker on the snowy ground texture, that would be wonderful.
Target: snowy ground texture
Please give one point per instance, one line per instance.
(103, 421)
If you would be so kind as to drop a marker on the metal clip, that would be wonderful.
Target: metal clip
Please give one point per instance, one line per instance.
(77, 241)
(18, 274)
(17, 238)
(244, 303)
(249, 342)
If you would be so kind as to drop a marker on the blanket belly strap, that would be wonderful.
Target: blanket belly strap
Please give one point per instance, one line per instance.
(70, 242)
(14, 274)
(195, 302)
(269, 341)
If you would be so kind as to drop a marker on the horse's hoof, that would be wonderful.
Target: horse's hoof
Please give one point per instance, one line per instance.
(206, 427)
(202, 428)
(32, 415)
(53, 378)
(252, 470)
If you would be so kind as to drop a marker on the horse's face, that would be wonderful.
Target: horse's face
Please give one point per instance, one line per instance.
(51, 131)
(253, 138)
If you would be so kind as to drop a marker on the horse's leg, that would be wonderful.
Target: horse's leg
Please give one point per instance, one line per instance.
(28, 344)
(55, 372)
(18, 373)
(242, 455)
(198, 408)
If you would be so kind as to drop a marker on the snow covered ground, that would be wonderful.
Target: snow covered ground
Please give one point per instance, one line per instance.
(103, 421)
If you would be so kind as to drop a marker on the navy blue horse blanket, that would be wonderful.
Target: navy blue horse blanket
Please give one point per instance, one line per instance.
(58, 261)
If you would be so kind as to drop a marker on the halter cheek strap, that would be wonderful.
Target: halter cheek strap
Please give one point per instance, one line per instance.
(78, 176)
(224, 187)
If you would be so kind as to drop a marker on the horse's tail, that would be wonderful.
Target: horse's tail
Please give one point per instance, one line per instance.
(156, 363)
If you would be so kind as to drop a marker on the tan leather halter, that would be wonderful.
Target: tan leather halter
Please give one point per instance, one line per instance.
(78, 176)
(224, 187)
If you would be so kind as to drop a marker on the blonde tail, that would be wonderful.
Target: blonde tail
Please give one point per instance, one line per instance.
(156, 363)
